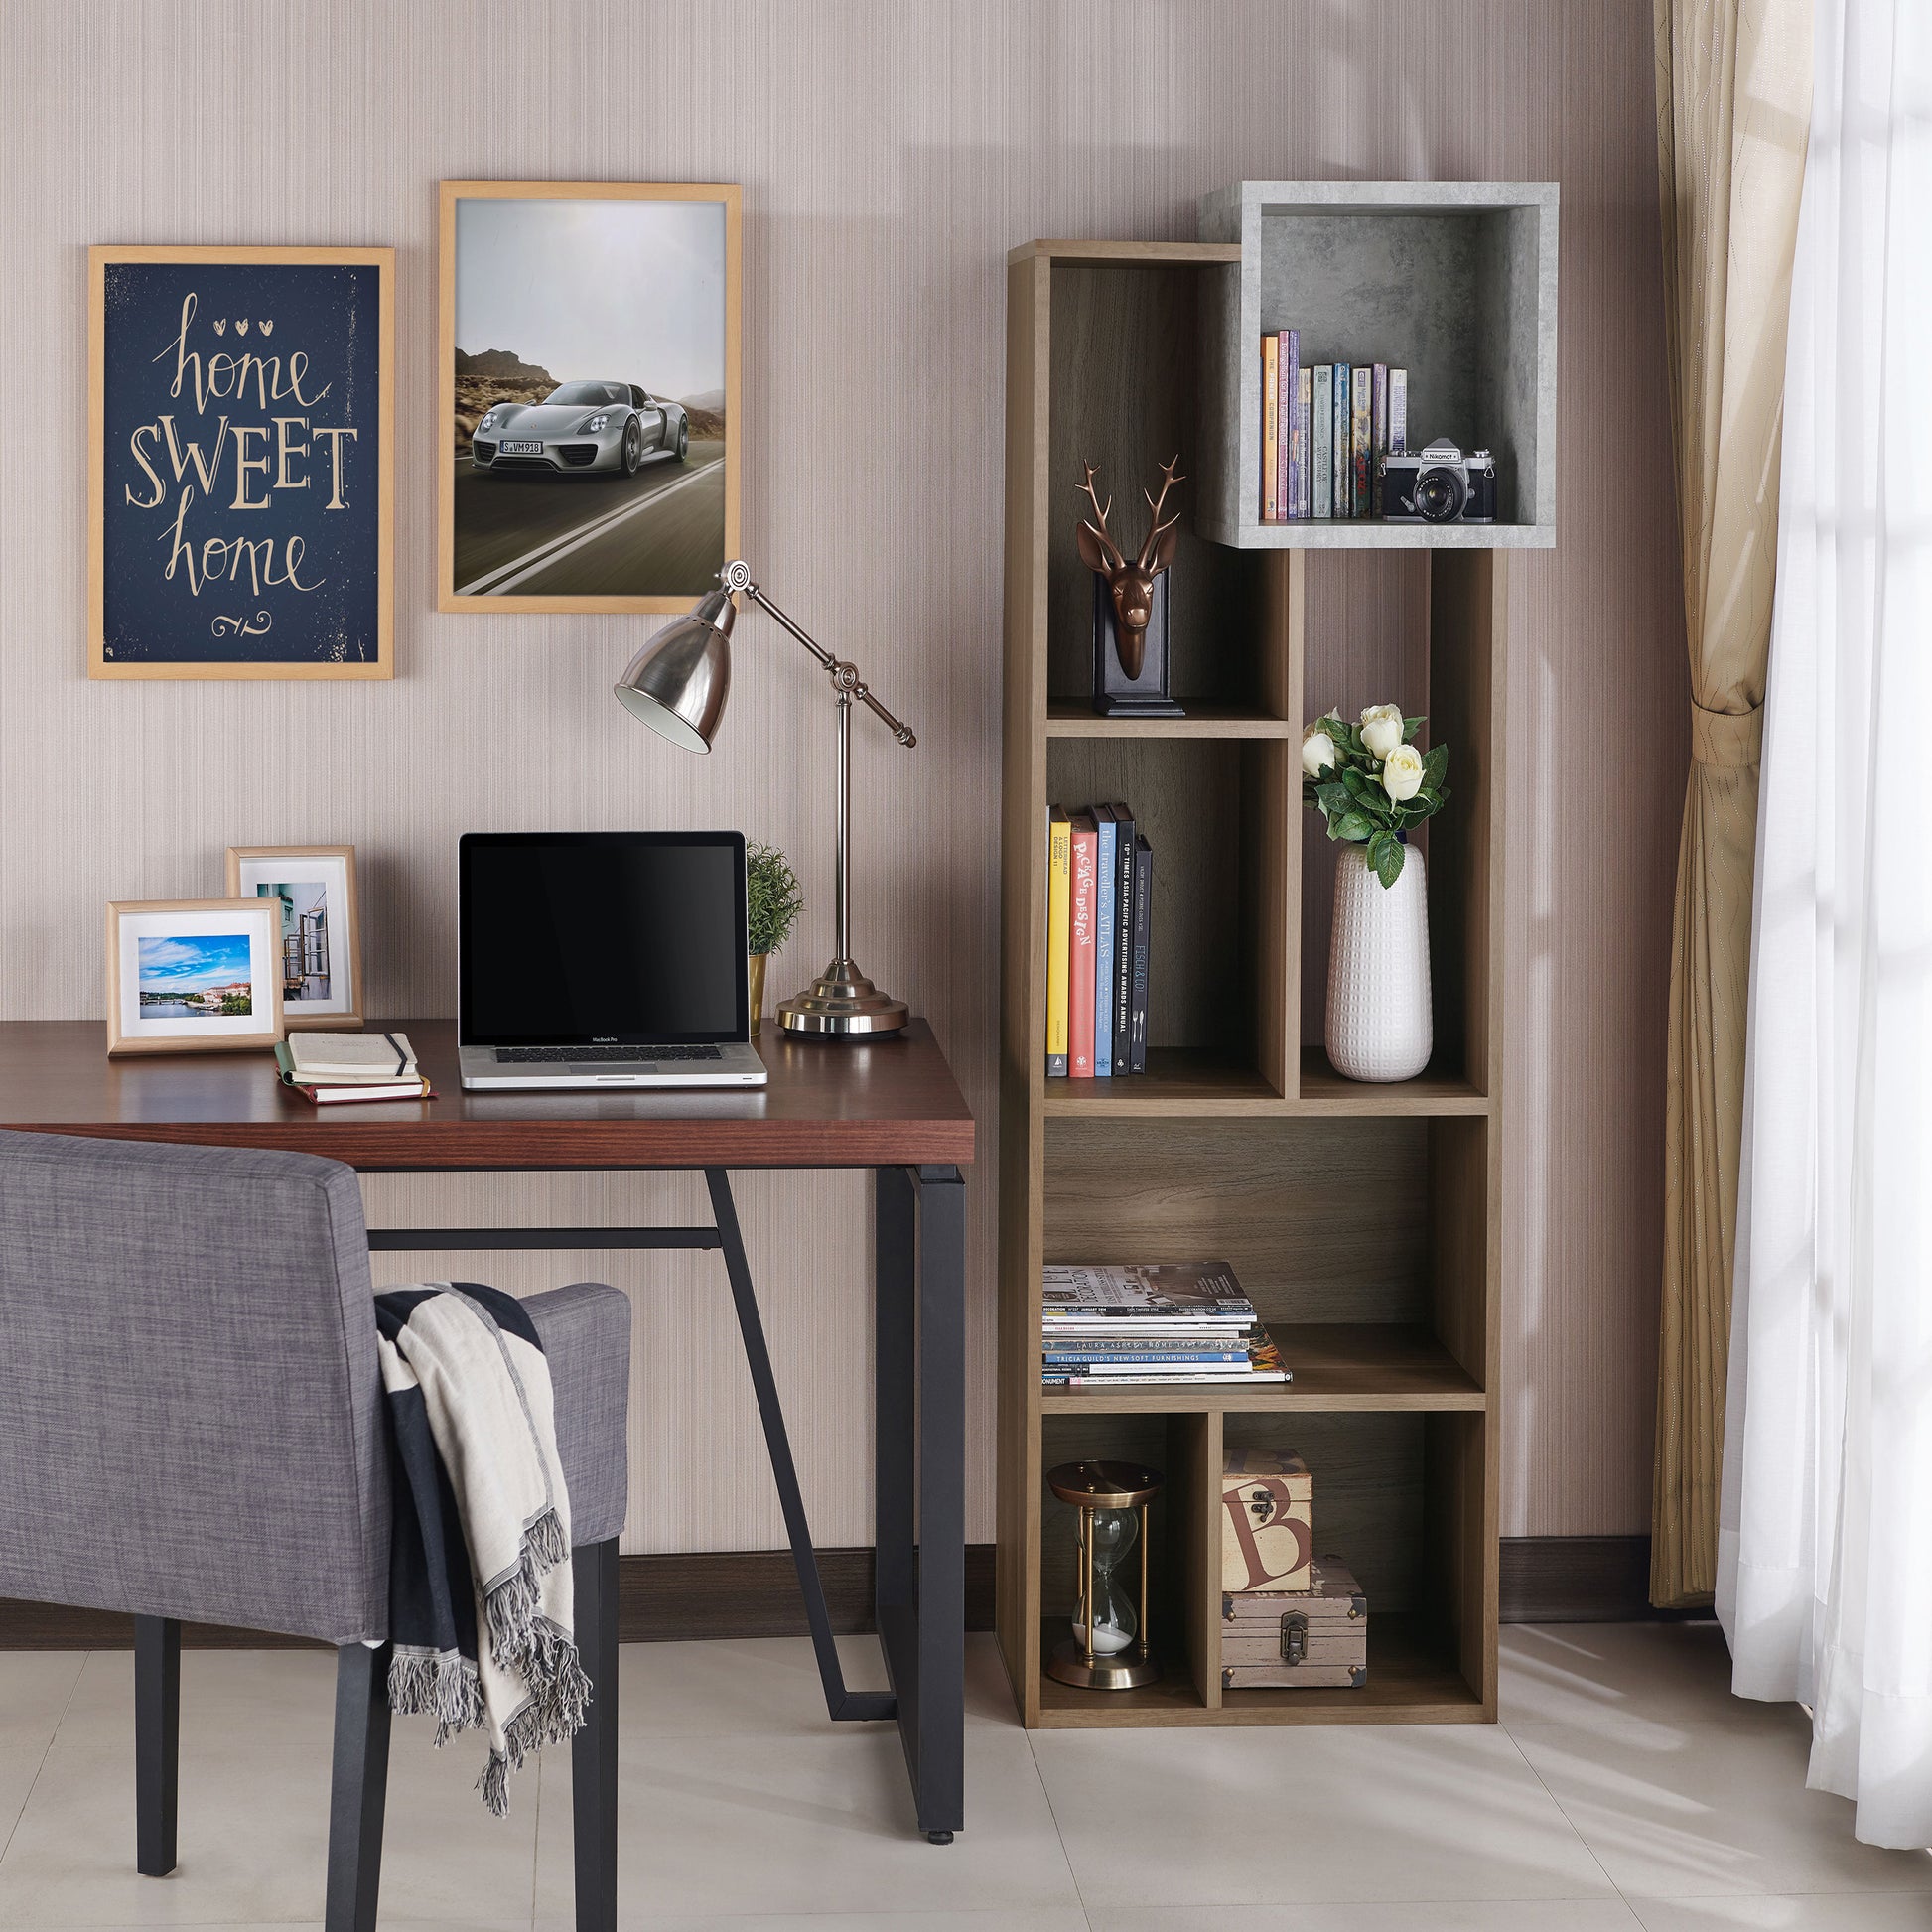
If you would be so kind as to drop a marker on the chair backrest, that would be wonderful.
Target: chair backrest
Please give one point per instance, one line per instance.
(190, 1408)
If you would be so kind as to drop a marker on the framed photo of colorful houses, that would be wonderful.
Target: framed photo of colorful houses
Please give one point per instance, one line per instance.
(320, 937)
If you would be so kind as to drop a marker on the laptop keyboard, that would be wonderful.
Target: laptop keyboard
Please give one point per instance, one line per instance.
(602, 1055)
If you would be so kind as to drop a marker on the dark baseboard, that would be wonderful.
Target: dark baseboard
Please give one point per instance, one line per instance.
(1579, 1579)
(754, 1594)
(732, 1593)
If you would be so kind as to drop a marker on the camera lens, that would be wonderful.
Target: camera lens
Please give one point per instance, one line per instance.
(1439, 496)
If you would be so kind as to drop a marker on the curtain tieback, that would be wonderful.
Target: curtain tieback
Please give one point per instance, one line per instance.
(1728, 740)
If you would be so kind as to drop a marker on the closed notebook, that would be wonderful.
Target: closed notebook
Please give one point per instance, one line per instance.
(411, 1086)
(339, 1060)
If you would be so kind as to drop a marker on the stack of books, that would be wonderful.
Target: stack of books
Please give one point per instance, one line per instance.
(332, 1067)
(1099, 923)
(1325, 429)
(1152, 1326)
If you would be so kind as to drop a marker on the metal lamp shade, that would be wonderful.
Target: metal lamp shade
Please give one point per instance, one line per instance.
(677, 683)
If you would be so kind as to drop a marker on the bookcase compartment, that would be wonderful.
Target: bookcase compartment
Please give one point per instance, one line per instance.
(1179, 1545)
(1354, 1236)
(1215, 812)
(1432, 643)
(1125, 366)
(1393, 1494)
(1453, 281)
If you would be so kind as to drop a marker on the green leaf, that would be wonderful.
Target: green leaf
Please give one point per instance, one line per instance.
(1385, 853)
(773, 899)
(1355, 744)
(1434, 765)
(1354, 827)
(1356, 783)
(1334, 796)
(1337, 731)
(1410, 727)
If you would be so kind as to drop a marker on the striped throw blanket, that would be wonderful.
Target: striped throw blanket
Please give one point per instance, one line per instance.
(479, 1582)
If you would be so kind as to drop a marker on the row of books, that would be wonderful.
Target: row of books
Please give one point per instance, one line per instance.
(1114, 1325)
(1099, 926)
(1325, 429)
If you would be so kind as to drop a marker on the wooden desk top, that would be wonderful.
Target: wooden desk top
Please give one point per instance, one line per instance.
(892, 1104)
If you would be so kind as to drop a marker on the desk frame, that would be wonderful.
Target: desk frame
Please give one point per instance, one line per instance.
(919, 1480)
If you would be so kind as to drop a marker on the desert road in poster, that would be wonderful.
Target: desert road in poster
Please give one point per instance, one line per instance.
(661, 530)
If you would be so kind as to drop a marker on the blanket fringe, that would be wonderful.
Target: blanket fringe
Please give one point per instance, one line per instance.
(441, 1684)
(511, 1606)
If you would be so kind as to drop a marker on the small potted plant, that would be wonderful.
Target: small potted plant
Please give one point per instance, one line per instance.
(1372, 785)
(773, 902)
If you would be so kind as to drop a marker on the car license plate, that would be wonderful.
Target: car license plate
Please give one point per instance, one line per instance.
(521, 449)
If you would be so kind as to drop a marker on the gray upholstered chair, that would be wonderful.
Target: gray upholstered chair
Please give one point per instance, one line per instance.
(192, 1427)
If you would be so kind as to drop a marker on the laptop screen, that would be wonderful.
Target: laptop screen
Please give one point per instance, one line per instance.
(621, 939)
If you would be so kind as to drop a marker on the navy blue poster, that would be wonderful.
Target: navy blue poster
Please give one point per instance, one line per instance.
(243, 507)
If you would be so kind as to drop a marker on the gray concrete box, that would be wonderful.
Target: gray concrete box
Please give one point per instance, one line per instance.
(1454, 281)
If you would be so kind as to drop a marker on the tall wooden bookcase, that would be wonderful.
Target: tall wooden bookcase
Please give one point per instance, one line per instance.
(1362, 1219)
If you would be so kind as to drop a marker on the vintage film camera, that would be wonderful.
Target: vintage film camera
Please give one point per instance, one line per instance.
(1438, 485)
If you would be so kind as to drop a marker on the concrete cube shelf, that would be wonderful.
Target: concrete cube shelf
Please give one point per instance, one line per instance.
(1454, 281)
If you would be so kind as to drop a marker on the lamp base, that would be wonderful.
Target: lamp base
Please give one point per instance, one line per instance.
(1122, 1672)
(842, 1004)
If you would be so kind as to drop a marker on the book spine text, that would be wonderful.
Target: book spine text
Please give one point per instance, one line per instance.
(1058, 880)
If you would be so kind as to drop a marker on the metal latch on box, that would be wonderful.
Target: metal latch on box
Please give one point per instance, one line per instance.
(1294, 1637)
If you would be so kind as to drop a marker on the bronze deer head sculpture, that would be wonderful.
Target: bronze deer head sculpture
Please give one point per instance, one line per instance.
(1130, 585)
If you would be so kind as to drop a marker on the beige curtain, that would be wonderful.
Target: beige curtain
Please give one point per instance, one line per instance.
(1733, 103)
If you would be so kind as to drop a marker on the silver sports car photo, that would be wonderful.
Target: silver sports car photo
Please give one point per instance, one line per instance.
(588, 427)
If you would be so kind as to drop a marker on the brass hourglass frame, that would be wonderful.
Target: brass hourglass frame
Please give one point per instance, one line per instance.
(1092, 1487)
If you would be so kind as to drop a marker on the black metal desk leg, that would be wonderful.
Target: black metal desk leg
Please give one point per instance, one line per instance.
(921, 1229)
(845, 1706)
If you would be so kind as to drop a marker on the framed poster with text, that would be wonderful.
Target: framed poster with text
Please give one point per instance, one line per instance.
(242, 461)
(589, 342)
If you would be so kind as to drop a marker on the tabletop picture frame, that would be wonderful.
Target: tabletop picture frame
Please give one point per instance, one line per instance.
(240, 462)
(193, 976)
(321, 927)
(559, 304)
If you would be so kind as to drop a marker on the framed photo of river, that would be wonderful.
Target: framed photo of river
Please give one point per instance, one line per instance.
(242, 461)
(590, 424)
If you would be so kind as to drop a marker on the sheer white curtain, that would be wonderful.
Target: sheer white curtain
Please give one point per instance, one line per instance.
(1825, 1558)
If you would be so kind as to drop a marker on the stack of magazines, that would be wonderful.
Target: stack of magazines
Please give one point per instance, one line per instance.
(1110, 1326)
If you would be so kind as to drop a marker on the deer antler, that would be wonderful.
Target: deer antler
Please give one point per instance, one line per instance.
(1097, 525)
(1155, 528)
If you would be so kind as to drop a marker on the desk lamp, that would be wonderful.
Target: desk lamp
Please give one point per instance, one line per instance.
(677, 684)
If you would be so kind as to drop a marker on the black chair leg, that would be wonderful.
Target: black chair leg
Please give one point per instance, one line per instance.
(359, 1787)
(157, 1742)
(594, 1750)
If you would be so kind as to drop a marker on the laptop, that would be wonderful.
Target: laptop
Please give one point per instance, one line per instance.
(603, 959)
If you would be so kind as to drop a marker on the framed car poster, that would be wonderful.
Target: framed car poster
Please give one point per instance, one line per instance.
(588, 351)
(242, 457)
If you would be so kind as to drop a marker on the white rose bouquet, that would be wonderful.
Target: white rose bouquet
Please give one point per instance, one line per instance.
(1368, 780)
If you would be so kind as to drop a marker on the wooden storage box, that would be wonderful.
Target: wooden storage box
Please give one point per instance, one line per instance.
(1285, 1638)
(1266, 1521)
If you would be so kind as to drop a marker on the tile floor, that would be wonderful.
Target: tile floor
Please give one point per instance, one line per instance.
(1625, 1788)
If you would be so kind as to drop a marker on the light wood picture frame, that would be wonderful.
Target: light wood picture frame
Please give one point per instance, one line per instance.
(263, 462)
(176, 970)
(321, 927)
(626, 497)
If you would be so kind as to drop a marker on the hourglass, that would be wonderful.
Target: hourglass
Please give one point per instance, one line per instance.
(1108, 1650)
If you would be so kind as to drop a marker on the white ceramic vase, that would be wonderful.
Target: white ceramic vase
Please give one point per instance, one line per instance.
(1379, 1025)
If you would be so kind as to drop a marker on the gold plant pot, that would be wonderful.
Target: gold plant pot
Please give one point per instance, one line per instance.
(754, 964)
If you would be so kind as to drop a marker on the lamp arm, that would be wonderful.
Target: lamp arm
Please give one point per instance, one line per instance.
(844, 674)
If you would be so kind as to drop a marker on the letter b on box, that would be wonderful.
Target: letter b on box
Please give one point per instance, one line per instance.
(1266, 1521)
